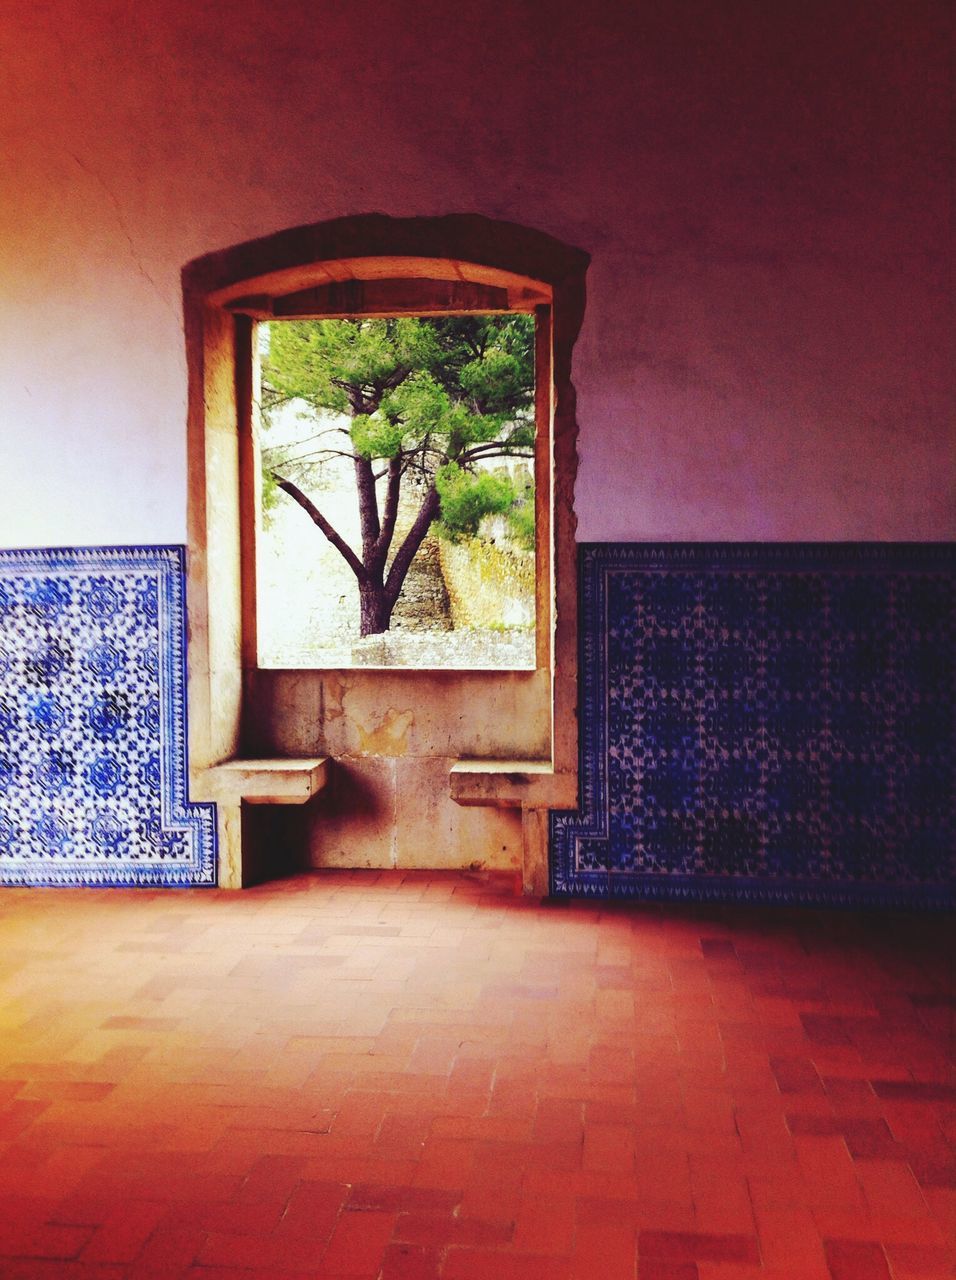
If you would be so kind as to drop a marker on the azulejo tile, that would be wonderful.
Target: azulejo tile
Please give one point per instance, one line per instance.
(93, 772)
(765, 722)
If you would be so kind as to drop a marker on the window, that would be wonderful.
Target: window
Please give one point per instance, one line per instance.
(397, 472)
(395, 494)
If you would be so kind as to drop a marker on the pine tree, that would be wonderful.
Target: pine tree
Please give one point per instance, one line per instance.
(423, 403)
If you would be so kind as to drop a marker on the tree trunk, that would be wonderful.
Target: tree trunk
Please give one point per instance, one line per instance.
(377, 598)
(375, 608)
(377, 594)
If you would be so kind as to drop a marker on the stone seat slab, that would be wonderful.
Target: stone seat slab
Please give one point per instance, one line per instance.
(512, 784)
(274, 780)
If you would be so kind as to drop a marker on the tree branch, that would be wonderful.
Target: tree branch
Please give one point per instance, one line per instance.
(390, 511)
(326, 431)
(337, 541)
(394, 379)
(497, 449)
(413, 540)
(312, 454)
(368, 506)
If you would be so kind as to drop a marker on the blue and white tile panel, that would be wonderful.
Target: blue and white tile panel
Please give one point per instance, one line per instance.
(765, 722)
(93, 772)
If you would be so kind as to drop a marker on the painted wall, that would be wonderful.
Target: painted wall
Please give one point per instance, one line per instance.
(763, 189)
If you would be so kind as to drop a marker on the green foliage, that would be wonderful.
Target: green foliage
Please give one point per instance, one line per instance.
(378, 437)
(427, 389)
(269, 493)
(335, 364)
(521, 522)
(466, 498)
(444, 398)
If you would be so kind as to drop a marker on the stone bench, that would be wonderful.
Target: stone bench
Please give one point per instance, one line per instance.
(532, 786)
(231, 784)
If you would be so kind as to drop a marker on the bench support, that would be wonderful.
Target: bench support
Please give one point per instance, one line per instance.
(532, 786)
(233, 784)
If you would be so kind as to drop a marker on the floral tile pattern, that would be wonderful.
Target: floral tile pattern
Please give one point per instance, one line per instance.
(765, 722)
(93, 775)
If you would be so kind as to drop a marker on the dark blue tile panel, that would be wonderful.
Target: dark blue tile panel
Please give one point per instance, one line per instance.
(93, 774)
(765, 722)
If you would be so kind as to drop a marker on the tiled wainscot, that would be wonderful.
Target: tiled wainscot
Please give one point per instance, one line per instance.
(93, 776)
(770, 722)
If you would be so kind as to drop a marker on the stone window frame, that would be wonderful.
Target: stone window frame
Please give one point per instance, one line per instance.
(389, 287)
(222, 293)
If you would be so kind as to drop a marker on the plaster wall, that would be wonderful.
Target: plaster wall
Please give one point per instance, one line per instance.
(763, 190)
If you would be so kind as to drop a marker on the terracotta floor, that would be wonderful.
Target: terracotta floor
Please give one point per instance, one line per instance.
(366, 1075)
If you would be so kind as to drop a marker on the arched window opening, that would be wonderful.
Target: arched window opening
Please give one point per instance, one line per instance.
(412, 317)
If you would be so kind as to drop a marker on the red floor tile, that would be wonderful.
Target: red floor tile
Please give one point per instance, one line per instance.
(124, 1232)
(789, 1240)
(828, 1171)
(796, 1076)
(358, 1244)
(451, 1229)
(169, 1250)
(477, 1264)
(688, 1246)
(914, 1091)
(655, 1269)
(889, 1187)
(914, 1260)
(424, 1077)
(545, 1225)
(856, 1260)
(411, 1262)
